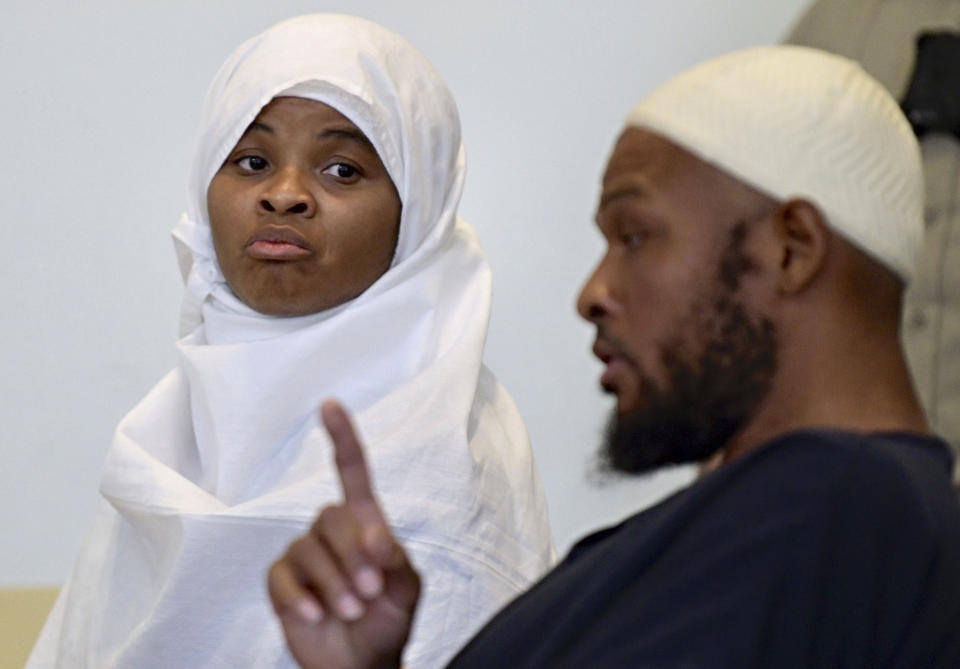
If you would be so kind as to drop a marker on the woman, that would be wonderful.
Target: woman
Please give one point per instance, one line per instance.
(322, 257)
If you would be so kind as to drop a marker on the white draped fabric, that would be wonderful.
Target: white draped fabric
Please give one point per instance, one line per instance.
(223, 463)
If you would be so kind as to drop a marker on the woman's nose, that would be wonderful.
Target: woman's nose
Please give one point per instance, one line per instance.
(288, 193)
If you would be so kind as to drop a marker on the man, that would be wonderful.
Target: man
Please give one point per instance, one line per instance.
(761, 213)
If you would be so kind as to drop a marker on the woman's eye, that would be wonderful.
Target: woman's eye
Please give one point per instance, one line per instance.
(252, 163)
(341, 171)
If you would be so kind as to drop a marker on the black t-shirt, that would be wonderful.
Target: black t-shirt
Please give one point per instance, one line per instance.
(819, 549)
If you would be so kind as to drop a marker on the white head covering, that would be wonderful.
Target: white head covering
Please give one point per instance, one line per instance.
(223, 463)
(797, 122)
(396, 98)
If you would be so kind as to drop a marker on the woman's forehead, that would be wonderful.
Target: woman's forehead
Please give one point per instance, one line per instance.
(285, 109)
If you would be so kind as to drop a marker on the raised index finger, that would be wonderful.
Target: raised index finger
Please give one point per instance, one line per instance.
(351, 464)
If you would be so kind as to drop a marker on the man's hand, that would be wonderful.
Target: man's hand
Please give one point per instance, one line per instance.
(345, 592)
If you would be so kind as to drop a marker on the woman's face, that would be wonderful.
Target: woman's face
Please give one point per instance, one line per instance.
(303, 214)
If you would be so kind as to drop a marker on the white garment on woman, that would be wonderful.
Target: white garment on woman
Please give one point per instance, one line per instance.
(223, 463)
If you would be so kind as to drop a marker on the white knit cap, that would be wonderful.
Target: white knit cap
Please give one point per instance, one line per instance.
(798, 122)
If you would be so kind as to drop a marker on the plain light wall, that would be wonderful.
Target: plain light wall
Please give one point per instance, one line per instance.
(100, 105)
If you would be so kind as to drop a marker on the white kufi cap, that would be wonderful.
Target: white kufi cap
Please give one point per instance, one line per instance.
(798, 122)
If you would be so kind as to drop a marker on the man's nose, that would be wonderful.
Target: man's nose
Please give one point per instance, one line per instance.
(288, 193)
(596, 299)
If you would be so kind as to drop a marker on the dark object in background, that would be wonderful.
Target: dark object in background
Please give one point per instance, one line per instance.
(932, 102)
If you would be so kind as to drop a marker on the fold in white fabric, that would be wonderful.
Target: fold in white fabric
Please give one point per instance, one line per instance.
(222, 463)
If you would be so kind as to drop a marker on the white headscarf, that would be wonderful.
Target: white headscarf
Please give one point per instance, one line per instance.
(223, 463)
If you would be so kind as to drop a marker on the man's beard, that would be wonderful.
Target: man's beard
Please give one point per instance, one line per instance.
(705, 401)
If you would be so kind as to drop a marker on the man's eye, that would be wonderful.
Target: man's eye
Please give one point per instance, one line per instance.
(341, 171)
(252, 163)
(634, 239)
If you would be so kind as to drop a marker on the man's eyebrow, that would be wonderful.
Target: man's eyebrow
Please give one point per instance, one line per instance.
(347, 133)
(627, 190)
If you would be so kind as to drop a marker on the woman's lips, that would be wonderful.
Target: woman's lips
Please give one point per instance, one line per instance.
(278, 243)
(265, 249)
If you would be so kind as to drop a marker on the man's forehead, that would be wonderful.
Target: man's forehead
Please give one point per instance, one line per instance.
(645, 157)
(638, 147)
(642, 162)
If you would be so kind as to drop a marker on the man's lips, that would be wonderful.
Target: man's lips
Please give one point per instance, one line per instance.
(278, 243)
(614, 359)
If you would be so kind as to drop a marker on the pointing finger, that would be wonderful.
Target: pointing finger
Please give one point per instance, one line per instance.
(351, 464)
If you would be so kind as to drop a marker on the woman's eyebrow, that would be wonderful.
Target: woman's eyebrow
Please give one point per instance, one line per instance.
(347, 133)
(351, 134)
(259, 125)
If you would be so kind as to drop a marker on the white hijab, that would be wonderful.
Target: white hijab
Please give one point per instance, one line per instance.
(223, 463)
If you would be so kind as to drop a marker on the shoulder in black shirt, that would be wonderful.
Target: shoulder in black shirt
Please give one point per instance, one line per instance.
(819, 549)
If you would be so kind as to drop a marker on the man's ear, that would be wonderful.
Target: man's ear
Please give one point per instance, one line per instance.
(804, 238)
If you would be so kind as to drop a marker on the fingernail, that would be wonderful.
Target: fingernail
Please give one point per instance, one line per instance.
(309, 610)
(368, 582)
(349, 606)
